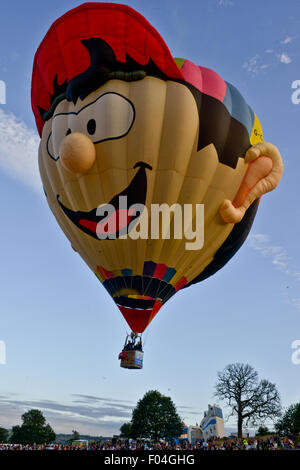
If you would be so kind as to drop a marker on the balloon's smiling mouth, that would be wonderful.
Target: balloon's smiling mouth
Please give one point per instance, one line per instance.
(98, 226)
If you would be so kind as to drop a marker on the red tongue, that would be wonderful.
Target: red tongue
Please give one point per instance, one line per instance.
(115, 222)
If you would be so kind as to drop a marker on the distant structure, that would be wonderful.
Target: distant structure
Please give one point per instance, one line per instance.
(192, 433)
(212, 424)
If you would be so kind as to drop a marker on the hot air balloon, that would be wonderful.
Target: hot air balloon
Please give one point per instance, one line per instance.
(121, 121)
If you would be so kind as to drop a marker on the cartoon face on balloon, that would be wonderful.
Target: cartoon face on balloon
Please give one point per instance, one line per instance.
(120, 120)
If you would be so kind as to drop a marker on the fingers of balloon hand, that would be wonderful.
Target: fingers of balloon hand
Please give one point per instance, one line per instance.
(263, 174)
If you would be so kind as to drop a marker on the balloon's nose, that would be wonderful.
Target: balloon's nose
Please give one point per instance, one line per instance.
(77, 152)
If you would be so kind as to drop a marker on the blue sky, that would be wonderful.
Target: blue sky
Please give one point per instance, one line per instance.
(62, 331)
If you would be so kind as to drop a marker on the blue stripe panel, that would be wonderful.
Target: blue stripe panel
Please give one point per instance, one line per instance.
(212, 421)
(127, 272)
(170, 272)
(149, 268)
(238, 108)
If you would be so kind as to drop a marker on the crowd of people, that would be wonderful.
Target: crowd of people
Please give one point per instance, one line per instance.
(254, 443)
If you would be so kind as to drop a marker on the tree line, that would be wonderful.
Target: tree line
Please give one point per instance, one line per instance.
(251, 401)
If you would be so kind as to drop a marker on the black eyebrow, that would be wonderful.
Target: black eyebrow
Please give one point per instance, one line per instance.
(92, 102)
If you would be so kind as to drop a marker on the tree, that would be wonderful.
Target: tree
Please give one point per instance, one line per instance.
(155, 417)
(34, 429)
(290, 421)
(251, 400)
(4, 435)
(75, 436)
(262, 431)
(126, 430)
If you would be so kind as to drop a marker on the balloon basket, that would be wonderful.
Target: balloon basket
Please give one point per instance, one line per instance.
(132, 359)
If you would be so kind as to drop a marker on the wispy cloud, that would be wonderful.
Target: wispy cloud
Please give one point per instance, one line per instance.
(91, 417)
(254, 65)
(296, 302)
(112, 401)
(279, 257)
(225, 3)
(284, 58)
(287, 40)
(269, 58)
(19, 150)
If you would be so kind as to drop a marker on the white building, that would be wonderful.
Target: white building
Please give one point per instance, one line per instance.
(192, 433)
(212, 424)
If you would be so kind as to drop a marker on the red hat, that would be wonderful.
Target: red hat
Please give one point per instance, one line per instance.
(62, 56)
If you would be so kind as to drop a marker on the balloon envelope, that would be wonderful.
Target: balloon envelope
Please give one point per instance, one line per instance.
(164, 131)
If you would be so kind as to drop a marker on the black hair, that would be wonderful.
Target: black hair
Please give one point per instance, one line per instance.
(104, 66)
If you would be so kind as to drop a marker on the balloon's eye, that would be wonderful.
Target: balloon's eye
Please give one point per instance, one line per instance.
(91, 126)
(109, 117)
(68, 131)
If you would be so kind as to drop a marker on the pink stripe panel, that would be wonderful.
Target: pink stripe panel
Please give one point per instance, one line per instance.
(206, 80)
(108, 273)
(160, 271)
